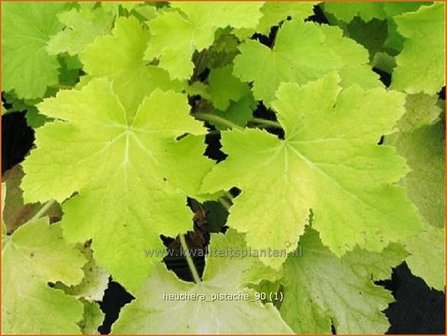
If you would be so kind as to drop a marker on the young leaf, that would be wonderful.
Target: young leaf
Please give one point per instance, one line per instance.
(151, 312)
(421, 110)
(33, 256)
(423, 148)
(302, 52)
(321, 289)
(328, 162)
(175, 35)
(368, 11)
(119, 57)
(427, 256)
(224, 87)
(114, 161)
(275, 12)
(421, 64)
(27, 68)
(348, 11)
(81, 28)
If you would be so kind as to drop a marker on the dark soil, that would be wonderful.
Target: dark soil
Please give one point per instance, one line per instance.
(17, 139)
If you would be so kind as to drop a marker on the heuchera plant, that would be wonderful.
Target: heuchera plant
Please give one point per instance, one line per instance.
(318, 156)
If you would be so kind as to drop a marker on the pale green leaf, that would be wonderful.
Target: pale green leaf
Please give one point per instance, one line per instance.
(421, 64)
(424, 149)
(33, 256)
(421, 110)
(151, 312)
(302, 52)
(321, 289)
(375, 265)
(392, 8)
(115, 161)
(328, 162)
(395, 41)
(27, 68)
(94, 282)
(175, 35)
(119, 57)
(81, 28)
(275, 12)
(427, 258)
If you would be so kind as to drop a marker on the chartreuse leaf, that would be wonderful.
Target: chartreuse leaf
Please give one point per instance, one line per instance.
(424, 150)
(421, 110)
(27, 68)
(94, 282)
(176, 35)
(119, 57)
(275, 12)
(328, 162)
(347, 11)
(302, 52)
(81, 28)
(427, 258)
(369, 10)
(114, 161)
(395, 8)
(421, 64)
(395, 41)
(33, 256)
(321, 289)
(151, 312)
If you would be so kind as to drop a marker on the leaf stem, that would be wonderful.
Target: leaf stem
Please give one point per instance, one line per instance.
(228, 194)
(61, 86)
(216, 119)
(266, 122)
(225, 203)
(43, 210)
(189, 260)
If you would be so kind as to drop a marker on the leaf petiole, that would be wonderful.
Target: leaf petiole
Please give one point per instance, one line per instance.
(216, 119)
(266, 122)
(189, 260)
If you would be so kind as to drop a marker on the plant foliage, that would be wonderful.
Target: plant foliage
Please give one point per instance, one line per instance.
(144, 113)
